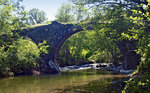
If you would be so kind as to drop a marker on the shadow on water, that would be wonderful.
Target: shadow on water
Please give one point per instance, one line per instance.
(85, 81)
(101, 82)
(96, 86)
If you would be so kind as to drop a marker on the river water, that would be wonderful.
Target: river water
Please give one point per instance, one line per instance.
(83, 81)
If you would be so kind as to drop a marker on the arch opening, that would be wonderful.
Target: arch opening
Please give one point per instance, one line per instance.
(87, 50)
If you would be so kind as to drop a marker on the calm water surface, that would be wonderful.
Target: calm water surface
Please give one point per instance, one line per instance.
(85, 81)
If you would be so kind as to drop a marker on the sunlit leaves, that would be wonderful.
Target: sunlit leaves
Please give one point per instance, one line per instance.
(65, 13)
(21, 55)
(5, 17)
(43, 47)
(36, 16)
(25, 51)
(11, 16)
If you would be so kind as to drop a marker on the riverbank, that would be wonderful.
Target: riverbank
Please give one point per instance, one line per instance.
(98, 66)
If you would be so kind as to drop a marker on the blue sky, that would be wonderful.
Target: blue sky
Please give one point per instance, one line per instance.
(49, 6)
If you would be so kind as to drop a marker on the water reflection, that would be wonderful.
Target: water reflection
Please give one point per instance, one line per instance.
(87, 81)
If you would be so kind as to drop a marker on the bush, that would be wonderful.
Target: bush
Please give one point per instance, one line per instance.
(137, 85)
(19, 57)
(141, 83)
(144, 68)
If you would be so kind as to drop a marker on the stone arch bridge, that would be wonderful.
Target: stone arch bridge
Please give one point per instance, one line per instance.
(56, 33)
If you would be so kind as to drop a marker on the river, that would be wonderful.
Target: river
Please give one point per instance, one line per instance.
(83, 81)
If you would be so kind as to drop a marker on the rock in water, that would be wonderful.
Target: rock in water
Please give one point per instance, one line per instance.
(51, 68)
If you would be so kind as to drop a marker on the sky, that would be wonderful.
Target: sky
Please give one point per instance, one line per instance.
(50, 7)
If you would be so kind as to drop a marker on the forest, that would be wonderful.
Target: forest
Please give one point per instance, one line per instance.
(120, 31)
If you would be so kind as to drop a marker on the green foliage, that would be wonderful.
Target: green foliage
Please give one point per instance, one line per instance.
(144, 68)
(43, 47)
(101, 57)
(81, 13)
(19, 57)
(86, 46)
(71, 14)
(125, 19)
(88, 54)
(12, 16)
(36, 17)
(141, 83)
(65, 14)
(137, 85)
(8, 22)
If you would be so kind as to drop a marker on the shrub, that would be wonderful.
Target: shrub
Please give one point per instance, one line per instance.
(140, 83)
(19, 57)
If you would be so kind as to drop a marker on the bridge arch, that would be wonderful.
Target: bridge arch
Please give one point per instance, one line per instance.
(55, 34)
(75, 30)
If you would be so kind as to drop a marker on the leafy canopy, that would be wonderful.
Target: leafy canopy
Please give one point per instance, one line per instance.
(36, 17)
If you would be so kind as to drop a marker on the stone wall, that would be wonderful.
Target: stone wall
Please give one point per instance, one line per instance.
(127, 49)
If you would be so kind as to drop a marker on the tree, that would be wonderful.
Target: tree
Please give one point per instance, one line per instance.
(21, 56)
(128, 22)
(114, 17)
(36, 17)
(86, 46)
(11, 18)
(81, 13)
(16, 53)
(142, 18)
(65, 14)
